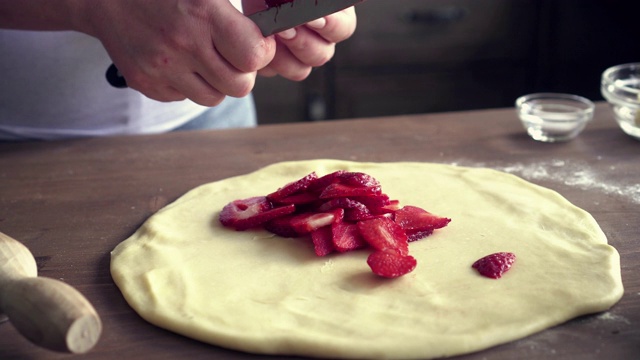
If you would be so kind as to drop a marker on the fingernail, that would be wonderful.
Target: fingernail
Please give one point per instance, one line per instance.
(317, 23)
(288, 34)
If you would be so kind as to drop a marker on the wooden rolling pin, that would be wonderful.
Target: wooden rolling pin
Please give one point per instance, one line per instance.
(48, 312)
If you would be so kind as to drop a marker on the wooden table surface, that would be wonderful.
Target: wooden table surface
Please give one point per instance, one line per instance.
(71, 202)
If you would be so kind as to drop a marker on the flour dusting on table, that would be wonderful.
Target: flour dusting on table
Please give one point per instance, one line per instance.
(578, 174)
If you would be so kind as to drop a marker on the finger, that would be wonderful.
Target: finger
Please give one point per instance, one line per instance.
(153, 88)
(223, 76)
(203, 76)
(307, 46)
(198, 90)
(239, 40)
(162, 94)
(336, 27)
(267, 71)
(287, 65)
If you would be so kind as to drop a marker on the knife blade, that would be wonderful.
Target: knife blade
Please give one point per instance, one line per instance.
(274, 19)
(290, 14)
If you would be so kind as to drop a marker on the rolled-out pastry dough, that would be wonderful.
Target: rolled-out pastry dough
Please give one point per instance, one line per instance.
(256, 292)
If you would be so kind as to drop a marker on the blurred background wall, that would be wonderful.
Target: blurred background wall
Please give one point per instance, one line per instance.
(422, 56)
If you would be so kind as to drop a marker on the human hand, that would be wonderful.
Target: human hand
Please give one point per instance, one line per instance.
(304, 47)
(170, 50)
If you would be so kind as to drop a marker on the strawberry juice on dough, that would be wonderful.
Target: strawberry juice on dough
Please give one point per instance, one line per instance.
(257, 292)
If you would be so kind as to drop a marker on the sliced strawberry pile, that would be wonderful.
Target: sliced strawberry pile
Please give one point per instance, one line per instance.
(340, 212)
(495, 265)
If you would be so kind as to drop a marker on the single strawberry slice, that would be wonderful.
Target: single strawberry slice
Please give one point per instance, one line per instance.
(495, 265)
(390, 263)
(343, 203)
(383, 233)
(414, 219)
(322, 241)
(298, 199)
(346, 237)
(358, 214)
(393, 206)
(417, 235)
(373, 202)
(354, 211)
(340, 190)
(282, 226)
(247, 213)
(358, 179)
(292, 188)
(302, 224)
(319, 184)
(309, 222)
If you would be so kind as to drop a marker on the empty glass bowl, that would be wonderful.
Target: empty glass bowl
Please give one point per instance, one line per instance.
(620, 85)
(553, 117)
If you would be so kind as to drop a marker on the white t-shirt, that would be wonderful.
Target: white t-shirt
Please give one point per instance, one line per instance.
(52, 86)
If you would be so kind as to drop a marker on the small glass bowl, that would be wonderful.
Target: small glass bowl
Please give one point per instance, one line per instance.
(620, 86)
(553, 117)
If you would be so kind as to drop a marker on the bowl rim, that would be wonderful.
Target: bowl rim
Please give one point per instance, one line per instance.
(606, 75)
(630, 96)
(589, 106)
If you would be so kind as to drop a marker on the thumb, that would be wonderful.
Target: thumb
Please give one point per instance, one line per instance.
(253, 6)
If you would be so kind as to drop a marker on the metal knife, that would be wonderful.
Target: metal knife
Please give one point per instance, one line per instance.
(292, 13)
(275, 19)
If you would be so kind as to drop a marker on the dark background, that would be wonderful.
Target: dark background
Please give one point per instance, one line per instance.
(425, 56)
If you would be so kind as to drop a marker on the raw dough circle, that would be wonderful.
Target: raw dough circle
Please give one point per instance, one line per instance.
(255, 292)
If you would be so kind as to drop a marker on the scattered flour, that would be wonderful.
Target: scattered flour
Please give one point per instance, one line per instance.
(607, 316)
(327, 267)
(578, 174)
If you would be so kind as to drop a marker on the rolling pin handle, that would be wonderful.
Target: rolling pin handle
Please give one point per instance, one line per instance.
(46, 311)
(51, 314)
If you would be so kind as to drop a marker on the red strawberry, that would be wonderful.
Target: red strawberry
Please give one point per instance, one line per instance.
(298, 199)
(336, 203)
(340, 211)
(358, 214)
(383, 234)
(247, 213)
(373, 202)
(390, 263)
(292, 188)
(340, 190)
(353, 210)
(415, 220)
(417, 235)
(309, 222)
(346, 237)
(322, 241)
(391, 207)
(495, 265)
(358, 179)
(282, 226)
(322, 182)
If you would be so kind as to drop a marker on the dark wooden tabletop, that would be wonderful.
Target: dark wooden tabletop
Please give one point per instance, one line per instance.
(71, 202)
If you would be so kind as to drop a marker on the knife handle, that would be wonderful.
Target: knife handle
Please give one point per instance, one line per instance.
(115, 78)
(48, 312)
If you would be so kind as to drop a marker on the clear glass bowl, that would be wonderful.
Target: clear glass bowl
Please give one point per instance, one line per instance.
(553, 117)
(620, 86)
